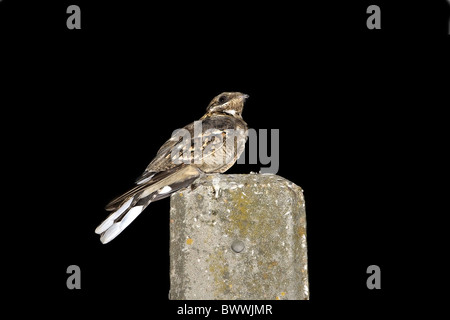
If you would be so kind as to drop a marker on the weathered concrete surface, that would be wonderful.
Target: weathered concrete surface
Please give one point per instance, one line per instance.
(239, 237)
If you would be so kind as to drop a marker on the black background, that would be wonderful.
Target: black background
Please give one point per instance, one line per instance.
(91, 107)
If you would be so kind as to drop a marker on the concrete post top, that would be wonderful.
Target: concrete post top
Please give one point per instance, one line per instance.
(239, 236)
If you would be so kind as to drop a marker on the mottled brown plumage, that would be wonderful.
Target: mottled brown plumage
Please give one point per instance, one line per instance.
(219, 143)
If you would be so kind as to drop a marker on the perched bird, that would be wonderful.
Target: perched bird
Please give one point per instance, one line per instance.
(214, 144)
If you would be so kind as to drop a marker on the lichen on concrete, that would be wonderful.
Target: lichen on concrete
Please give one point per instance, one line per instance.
(265, 213)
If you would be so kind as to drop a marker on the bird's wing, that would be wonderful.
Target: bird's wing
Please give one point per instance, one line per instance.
(155, 179)
(161, 162)
(128, 206)
(213, 132)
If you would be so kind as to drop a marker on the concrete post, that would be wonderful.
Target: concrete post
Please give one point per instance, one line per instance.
(239, 237)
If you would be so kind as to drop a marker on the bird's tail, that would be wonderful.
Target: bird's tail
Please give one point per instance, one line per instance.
(128, 206)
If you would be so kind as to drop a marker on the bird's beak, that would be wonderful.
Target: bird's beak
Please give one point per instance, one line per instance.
(244, 96)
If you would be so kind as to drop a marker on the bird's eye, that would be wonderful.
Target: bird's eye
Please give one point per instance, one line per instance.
(222, 99)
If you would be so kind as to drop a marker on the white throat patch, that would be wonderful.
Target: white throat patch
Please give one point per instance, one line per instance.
(232, 112)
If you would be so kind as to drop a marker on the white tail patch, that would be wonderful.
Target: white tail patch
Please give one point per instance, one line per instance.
(116, 228)
(166, 189)
(130, 216)
(113, 216)
(145, 180)
(111, 233)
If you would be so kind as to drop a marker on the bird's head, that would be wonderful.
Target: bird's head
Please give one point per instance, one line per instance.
(231, 103)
